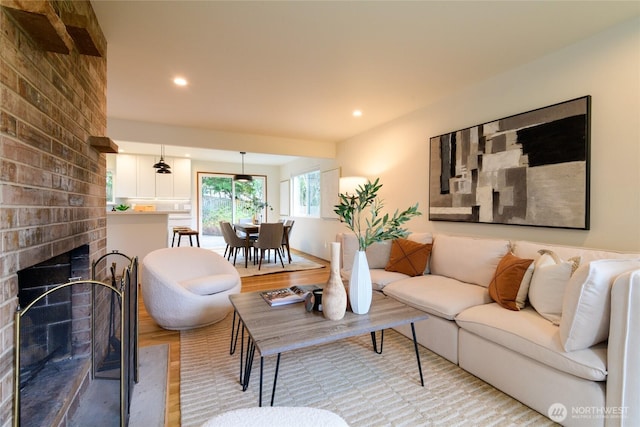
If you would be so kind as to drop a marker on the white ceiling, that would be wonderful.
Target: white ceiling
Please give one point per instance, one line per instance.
(297, 69)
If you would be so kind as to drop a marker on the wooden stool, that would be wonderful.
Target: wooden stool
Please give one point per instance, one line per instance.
(185, 231)
(175, 232)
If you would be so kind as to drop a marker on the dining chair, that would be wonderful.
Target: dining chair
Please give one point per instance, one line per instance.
(269, 237)
(286, 237)
(233, 241)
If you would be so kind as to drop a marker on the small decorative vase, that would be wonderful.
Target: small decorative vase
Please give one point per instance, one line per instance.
(360, 290)
(334, 296)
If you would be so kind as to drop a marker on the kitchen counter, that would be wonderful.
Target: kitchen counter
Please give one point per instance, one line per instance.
(137, 233)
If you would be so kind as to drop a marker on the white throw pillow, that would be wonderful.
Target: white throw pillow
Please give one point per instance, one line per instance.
(586, 305)
(523, 290)
(550, 278)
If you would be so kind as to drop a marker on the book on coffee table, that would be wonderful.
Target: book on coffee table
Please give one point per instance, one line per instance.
(291, 295)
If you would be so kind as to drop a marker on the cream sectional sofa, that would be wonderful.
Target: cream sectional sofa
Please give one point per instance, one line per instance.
(521, 352)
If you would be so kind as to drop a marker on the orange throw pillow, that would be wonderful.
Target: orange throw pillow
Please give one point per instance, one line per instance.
(506, 281)
(408, 257)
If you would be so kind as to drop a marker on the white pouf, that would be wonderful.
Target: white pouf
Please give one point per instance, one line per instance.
(277, 416)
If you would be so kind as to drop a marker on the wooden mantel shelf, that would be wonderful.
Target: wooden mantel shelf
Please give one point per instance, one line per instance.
(52, 33)
(103, 144)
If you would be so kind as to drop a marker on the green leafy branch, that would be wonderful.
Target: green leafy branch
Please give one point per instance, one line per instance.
(361, 212)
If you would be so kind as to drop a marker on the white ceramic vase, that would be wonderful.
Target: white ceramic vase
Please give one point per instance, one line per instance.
(334, 296)
(360, 290)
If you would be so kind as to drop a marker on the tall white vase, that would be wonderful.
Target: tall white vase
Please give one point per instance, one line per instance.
(360, 290)
(334, 296)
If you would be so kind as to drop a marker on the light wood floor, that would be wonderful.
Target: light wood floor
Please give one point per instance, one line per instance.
(152, 334)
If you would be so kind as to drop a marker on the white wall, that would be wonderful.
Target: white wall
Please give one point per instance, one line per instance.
(606, 66)
(162, 134)
(311, 235)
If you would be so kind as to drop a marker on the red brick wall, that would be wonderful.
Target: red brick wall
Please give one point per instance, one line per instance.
(52, 183)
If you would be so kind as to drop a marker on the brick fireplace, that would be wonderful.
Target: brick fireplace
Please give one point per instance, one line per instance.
(52, 182)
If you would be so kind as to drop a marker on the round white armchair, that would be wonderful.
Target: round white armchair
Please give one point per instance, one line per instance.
(187, 287)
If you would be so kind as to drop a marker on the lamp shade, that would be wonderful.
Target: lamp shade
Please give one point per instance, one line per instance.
(162, 166)
(242, 177)
(349, 184)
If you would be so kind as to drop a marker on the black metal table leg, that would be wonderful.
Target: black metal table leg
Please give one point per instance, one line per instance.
(275, 380)
(241, 352)
(235, 327)
(415, 346)
(375, 342)
(261, 372)
(251, 350)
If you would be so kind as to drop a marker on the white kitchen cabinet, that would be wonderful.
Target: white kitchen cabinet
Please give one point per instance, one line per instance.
(181, 178)
(137, 178)
(164, 181)
(126, 176)
(146, 179)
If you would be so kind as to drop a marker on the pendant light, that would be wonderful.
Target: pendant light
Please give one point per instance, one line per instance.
(162, 166)
(242, 177)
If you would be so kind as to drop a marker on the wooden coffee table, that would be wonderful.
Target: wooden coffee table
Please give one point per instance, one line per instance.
(275, 330)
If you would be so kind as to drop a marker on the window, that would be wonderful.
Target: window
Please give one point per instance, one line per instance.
(223, 199)
(110, 193)
(306, 194)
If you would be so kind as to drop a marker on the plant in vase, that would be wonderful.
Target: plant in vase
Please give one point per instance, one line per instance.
(257, 206)
(362, 214)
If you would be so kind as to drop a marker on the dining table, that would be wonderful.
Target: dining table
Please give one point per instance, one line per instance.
(249, 229)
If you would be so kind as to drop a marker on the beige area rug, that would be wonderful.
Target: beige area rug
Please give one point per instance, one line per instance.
(348, 378)
(298, 263)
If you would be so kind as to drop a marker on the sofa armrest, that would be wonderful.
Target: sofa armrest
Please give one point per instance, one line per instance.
(623, 354)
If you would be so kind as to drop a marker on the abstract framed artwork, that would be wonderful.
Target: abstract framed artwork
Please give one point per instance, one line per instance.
(527, 169)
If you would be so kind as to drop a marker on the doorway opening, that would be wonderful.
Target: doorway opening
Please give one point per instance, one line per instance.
(220, 198)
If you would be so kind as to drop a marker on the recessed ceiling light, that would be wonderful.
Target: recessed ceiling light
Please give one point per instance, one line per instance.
(357, 113)
(180, 81)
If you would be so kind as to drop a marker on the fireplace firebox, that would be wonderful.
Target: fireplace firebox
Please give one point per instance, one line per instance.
(61, 336)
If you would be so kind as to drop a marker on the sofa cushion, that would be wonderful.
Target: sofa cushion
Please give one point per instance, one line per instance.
(408, 257)
(468, 259)
(438, 295)
(586, 304)
(528, 333)
(379, 277)
(421, 237)
(377, 253)
(526, 249)
(208, 285)
(508, 279)
(550, 278)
